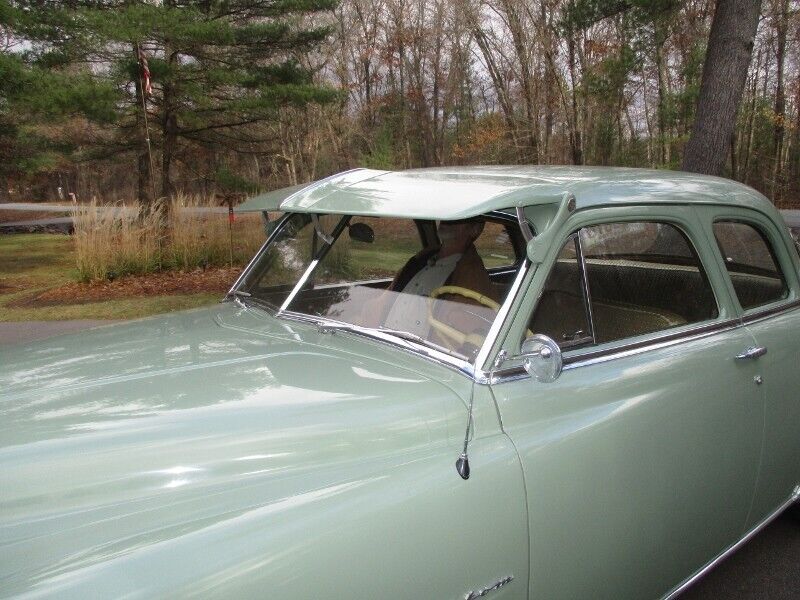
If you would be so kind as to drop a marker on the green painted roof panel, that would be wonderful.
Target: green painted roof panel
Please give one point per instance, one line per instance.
(461, 192)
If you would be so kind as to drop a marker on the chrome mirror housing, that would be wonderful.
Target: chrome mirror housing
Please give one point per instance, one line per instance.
(542, 358)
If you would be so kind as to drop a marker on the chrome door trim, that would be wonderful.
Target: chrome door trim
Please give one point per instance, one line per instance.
(770, 312)
(675, 592)
(605, 355)
(600, 356)
(663, 341)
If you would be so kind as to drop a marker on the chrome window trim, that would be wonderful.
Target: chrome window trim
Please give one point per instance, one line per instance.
(770, 242)
(322, 252)
(600, 356)
(675, 592)
(500, 318)
(522, 220)
(462, 366)
(760, 314)
(279, 227)
(587, 292)
(663, 339)
(299, 285)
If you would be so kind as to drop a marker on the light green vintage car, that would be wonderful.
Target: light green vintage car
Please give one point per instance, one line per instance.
(510, 382)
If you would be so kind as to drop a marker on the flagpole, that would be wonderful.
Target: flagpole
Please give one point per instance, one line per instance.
(146, 125)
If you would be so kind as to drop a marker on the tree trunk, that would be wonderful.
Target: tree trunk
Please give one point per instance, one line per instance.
(780, 99)
(730, 46)
(575, 131)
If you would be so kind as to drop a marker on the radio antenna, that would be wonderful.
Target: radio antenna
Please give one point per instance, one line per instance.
(462, 464)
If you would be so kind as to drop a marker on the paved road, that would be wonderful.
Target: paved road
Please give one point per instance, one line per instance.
(766, 567)
(63, 224)
(68, 208)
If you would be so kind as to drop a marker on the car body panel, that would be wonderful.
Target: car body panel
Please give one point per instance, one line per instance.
(227, 452)
(623, 447)
(775, 327)
(202, 436)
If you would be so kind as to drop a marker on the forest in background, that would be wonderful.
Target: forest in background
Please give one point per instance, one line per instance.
(250, 95)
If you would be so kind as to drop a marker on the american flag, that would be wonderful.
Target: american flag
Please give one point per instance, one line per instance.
(146, 87)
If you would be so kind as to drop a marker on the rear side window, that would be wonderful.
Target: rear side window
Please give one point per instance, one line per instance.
(629, 279)
(751, 264)
(495, 247)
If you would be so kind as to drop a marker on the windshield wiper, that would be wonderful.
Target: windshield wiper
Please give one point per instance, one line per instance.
(329, 326)
(413, 337)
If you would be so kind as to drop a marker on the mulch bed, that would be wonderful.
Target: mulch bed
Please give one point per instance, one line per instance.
(217, 280)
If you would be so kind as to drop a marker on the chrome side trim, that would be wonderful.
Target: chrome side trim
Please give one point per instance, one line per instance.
(601, 356)
(771, 312)
(502, 315)
(664, 341)
(675, 592)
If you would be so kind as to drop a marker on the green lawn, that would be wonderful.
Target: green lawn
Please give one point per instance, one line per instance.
(33, 263)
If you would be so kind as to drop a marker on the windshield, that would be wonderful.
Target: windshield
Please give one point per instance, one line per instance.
(439, 284)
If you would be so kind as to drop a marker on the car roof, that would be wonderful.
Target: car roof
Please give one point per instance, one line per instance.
(462, 192)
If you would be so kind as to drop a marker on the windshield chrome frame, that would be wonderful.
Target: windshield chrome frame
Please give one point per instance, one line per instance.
(501, 317)
(331, 326)
(471, 369)
(281, 223)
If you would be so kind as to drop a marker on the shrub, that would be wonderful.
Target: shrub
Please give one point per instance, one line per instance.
(112, 242)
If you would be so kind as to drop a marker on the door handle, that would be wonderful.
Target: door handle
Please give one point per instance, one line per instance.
(752, 352)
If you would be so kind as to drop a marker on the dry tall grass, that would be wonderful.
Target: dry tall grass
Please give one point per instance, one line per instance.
(111, 242)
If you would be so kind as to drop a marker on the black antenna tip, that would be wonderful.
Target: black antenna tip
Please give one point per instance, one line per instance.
(462, 466)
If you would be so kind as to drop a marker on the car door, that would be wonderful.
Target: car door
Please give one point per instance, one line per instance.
(762, 272)
(640, 460)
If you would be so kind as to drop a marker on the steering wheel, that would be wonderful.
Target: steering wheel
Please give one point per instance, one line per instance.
(451, 333)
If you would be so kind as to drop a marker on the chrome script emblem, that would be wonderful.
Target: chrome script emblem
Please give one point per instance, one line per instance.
(482, 592)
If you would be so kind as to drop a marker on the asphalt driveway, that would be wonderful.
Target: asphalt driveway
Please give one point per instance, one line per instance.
(766, 567)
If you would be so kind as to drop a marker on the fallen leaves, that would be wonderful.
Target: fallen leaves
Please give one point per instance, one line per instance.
(216, 280)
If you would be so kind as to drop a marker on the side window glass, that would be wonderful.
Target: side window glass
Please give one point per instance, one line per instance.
(751, 263)
(643, 277)
(562, 312)
(639, 278)
(495, 247)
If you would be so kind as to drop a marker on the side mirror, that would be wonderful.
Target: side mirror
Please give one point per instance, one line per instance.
(361, 232)
(542, 358)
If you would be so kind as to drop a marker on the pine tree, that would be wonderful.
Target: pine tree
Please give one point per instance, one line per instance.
(35, 94)
(219, 68)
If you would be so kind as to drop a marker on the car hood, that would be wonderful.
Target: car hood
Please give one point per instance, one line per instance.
(129, 435)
